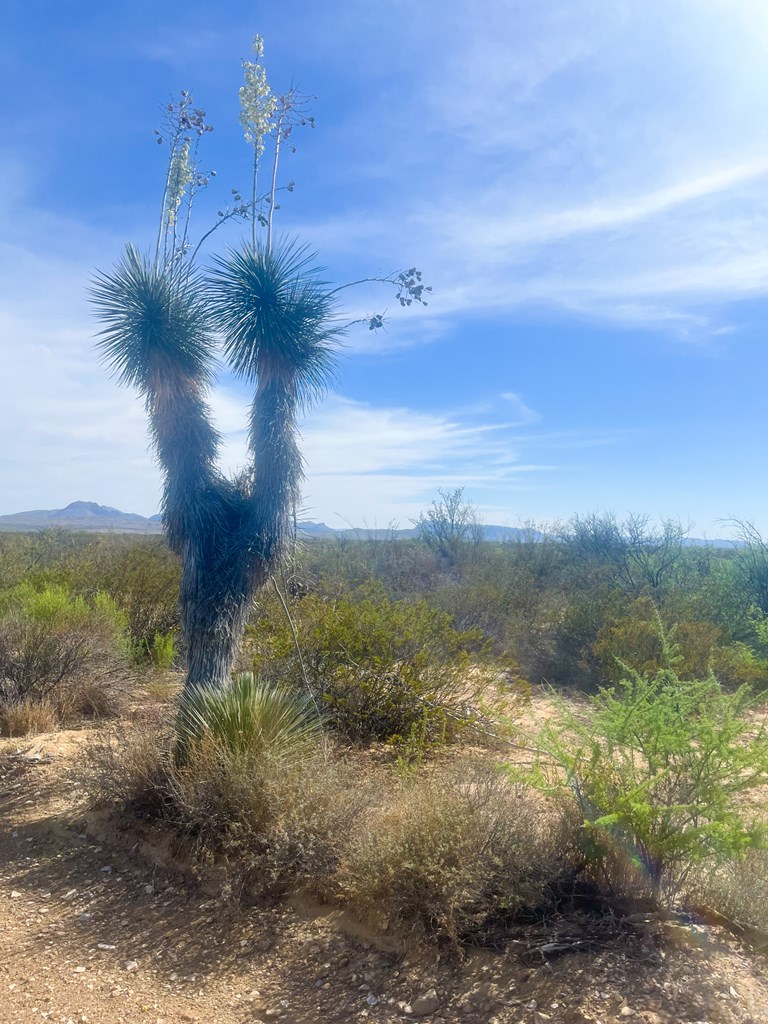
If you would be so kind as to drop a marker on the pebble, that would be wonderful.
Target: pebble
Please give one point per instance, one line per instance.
(425, 1004)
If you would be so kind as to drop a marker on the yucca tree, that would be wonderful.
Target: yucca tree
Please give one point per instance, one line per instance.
(163, 324)
(277, 322)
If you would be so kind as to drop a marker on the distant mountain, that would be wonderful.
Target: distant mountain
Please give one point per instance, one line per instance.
(90, 517)
(497, 533)
(81, 515)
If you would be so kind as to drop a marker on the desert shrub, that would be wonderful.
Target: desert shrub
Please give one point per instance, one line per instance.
(378, 668)
(738, 665)
(58, 648)
(255, 792)
(657, 768)
(633, 635)
(737, 889)
(571, 660)
(453, 852)
(638, 636)
(161, 652)
(140, 574)
(23, 718)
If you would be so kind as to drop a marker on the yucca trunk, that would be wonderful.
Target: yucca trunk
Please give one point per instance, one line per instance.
(214, 603)
(226, 560)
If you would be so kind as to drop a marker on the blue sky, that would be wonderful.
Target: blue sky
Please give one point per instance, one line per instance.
(585, 185)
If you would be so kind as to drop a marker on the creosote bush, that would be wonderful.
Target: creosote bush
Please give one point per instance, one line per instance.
(378, 669)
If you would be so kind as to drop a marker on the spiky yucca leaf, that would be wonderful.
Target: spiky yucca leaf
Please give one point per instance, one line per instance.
(277, 317)
(156, 324)
(250, 717)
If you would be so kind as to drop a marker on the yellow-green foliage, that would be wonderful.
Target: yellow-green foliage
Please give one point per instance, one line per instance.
(658, 767)
(634, 636)
(140, 574)
(52, 640)
(379, 668)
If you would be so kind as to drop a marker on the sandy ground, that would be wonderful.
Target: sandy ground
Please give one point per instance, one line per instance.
(90, 931)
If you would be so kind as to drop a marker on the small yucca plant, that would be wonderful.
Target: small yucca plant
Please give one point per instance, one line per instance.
(249, 717)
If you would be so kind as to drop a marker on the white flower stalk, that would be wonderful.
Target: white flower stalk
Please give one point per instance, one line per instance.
(180, 176)
(257, 104)
(257, 109)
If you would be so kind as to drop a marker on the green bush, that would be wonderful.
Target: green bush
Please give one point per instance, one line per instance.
(657, 767)
(637, 635)
(140, 574)
(738, 665)
(378, 668)
(161, 652)
(54, 646)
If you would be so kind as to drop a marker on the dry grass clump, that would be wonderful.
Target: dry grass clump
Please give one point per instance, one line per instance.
(454, 853)
(276, 816)
(737, 890)
(26, 718)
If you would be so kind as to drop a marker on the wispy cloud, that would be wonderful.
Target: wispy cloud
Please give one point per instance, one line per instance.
(602, 159)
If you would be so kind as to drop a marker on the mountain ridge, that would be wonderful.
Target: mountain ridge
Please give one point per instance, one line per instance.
(90, 517)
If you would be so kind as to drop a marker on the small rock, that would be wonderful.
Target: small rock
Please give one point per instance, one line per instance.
(79, 970)
(106, 870)
(131, 965)
(425, 1004)
(371, 999)
(15, 895)
(105, 946)
(626, 1011)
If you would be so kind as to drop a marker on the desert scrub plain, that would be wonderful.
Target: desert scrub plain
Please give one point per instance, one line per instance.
(491, 782)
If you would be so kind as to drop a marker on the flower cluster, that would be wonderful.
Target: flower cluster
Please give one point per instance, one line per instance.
(180, 174)
(257, 104)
